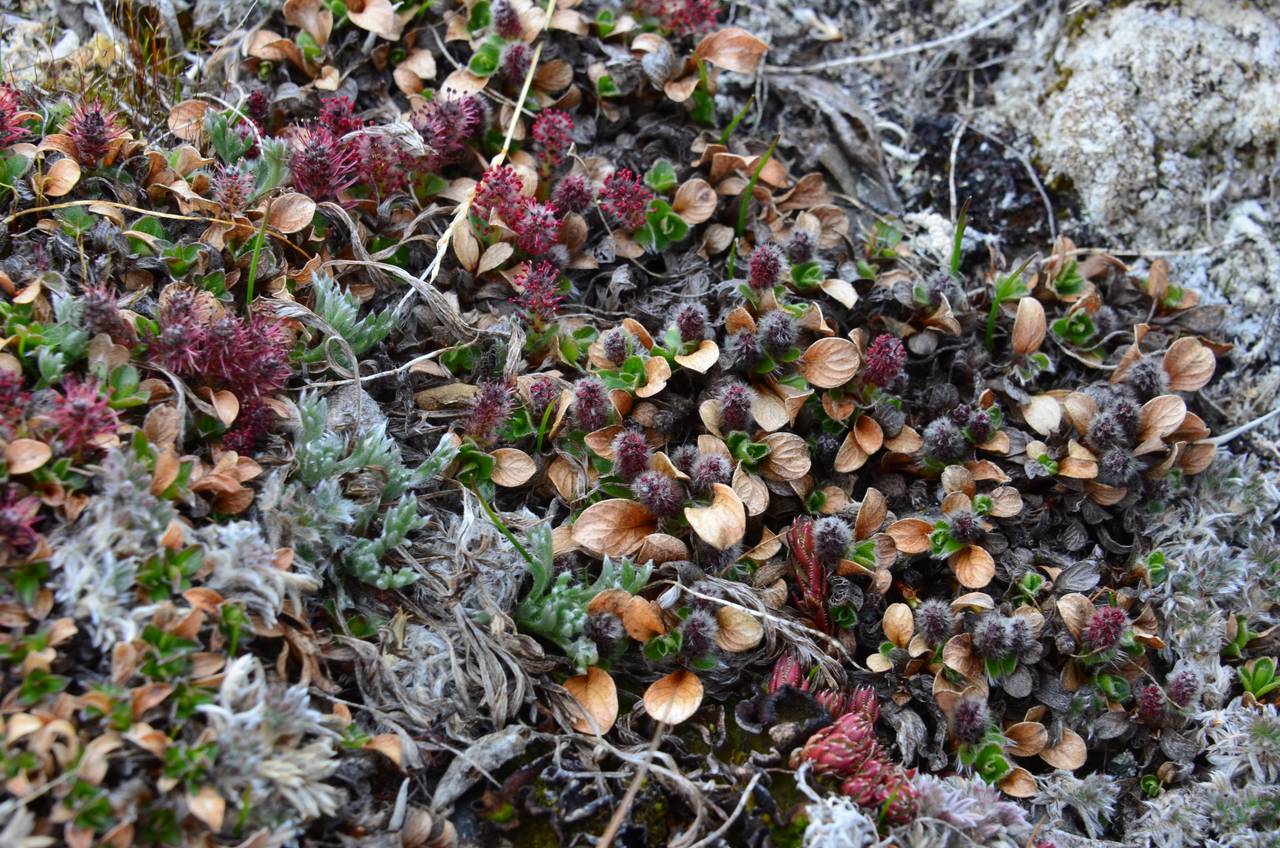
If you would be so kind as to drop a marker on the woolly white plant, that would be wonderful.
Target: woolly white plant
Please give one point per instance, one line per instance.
(96, 559)
(275, 751)
(244, 570)
(1072, 802)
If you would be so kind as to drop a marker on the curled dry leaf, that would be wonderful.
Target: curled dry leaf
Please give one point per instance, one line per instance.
(22, 456)
(660, 547)
(899, 624)
(674, 698)
(733, 49)
(739, 631)
(723, 523)
(1018, 783)
(871, 514)
(208, 806)
(186, 119)
(597, 698)
(976, 601)
(642, 619)
(512, 467)
(312, 16)
(1028, 327)
(910, 535)
(291, 212)
(1161, 416)
(378, 17)
(829, 363)
(60, 178)
(614, 527)
(1028, 737)
(973, 567)
(656, 371)
(1075, 609)
(695, 201)
(751, 490)
(1069, 754)
(1042, 413)
(414, 70)
(1189, 364)
(700, 360)
(788, 457)
(1006, 502)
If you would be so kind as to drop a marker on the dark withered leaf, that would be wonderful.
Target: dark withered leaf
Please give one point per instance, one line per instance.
(1111, 725)
(1081, 576)
(910, 733)
(1018, 684)
(1050, 693)
(1177, 747)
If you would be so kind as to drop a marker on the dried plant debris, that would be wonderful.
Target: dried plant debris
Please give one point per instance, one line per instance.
(452, 423)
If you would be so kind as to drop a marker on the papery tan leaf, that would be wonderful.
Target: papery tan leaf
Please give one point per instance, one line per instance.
(869, 434)
(1043, 414)
(907, 441)
(752, 491)
(660, 547)
(958, 655)
(597, 698)
(642, 619)
(1160, 416)
(388, 745)
(998, 443)
(614, 527)
(769, 410)
(975, 601)
(657, 372)
(841, 291)
(674, 698)
(609, 601)
(879, 663)
(910, 535)
(957, 478)
(788, 457)
(1075, 610)
(186, 119)
(695, 201)
(601, 441)
(291, 212)
(208, 806)
(733, 49)
(850, 457)
(378, 17)
(466, 247)
(312, 16)
(768, 546)
(1028, 327)
(1069, 754)
(739, 631)
(225, 405)
(1018, 783)
(829, 363)
(1189, 364)
(1028, 737)
(412, 73)
(1006, 502)
(898, 624)
(1196, 458)
(494, 257)
(723, 523)
(871, 514)
(60, 177)
(973, 567)
(701, 360)
(1081, 409)
(512, 467)
(22, 456)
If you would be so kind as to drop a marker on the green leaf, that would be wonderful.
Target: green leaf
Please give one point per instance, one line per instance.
(606, 87)
(605, 23)
(481, 15)
(484, 62)
(661, 177)
(807, 275)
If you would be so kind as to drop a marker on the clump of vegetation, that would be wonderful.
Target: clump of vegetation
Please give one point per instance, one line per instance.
(307, 392)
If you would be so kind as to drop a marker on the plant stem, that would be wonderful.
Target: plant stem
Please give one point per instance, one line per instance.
(257, 252)
(502, 527)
